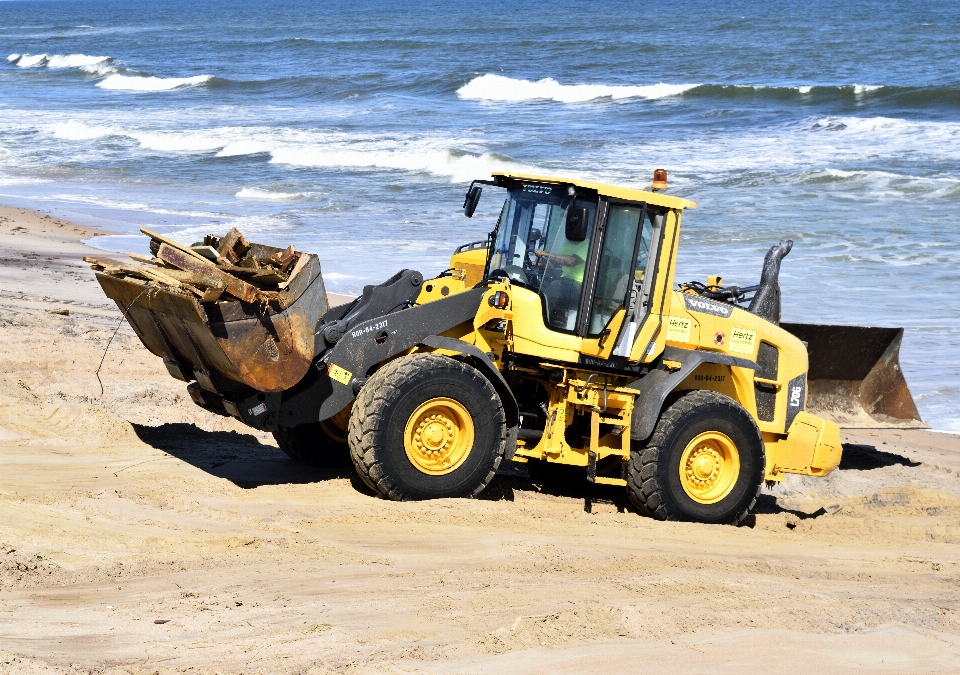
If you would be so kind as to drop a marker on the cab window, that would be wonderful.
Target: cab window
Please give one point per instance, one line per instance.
(531, 248)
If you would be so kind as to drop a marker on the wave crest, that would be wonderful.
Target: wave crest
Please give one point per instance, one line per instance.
(91, 64)
(119, 82)
(75, 60)
(28, 60)
(491, 87)
(268, 195)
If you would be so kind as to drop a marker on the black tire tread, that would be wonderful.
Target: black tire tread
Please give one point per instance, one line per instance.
(643, 486)
(367, 416)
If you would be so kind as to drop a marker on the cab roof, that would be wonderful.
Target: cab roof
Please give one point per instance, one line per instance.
(614, 191)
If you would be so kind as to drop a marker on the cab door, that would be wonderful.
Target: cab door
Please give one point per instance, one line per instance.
(618, 301)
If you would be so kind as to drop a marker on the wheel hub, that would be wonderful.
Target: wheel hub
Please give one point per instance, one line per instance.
(439, 436)
(709, 467)
(703, 465)
(434, 434)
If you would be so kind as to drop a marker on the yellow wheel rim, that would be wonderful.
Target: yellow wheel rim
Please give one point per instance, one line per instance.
(709, 467)
(438, 436)
(336, 426)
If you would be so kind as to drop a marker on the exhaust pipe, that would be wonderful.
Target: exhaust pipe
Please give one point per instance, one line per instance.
(766, 301)
(855, 377)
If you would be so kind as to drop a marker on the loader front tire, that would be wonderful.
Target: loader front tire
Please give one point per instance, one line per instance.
(704, 462)
(427, 426)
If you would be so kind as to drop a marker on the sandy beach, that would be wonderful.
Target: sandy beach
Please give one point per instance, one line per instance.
(141, 534)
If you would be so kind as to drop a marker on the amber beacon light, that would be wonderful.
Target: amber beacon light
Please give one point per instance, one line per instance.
(659, 179)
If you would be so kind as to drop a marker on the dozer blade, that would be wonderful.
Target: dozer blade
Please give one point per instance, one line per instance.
(855, 377)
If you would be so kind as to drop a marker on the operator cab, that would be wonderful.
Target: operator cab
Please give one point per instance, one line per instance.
(588, 254)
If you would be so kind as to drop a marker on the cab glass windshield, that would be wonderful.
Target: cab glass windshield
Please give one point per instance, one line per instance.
(531, 248)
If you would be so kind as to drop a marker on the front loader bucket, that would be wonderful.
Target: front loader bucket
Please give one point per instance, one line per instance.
(855, 378)
(266, 347)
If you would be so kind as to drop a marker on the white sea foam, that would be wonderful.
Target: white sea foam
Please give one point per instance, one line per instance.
(875, 184)
(492, 87)
(894, 129)
(865, 88)
(268, 195)
(123, 205)
(77, 130)
(798, 147)
(456, 165)
(804, 89)
(453, 158)
(13, 57)
(131, 83)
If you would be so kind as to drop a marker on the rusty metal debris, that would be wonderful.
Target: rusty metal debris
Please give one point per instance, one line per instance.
(223, 310)
(248, 272)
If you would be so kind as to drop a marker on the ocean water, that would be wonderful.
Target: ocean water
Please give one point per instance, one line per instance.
(352, 129)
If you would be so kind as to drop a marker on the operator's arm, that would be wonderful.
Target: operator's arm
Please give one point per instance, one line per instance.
(565, 260)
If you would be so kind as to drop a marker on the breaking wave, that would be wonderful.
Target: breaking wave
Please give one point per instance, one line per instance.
(491, 87)
(268, 195)
(96, 65)
(103, 66)
(119, 82)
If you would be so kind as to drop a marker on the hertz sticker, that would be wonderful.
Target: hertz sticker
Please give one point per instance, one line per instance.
(742, 340)
(678, 329)
(339, 374)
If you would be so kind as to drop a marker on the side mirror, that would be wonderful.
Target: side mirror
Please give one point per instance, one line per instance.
(577, 218)
(471, 200)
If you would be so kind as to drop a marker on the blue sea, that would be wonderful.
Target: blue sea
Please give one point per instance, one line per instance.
(353, 129)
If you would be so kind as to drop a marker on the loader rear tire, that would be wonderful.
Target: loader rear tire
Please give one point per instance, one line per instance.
(427, 426)
(704, 462)
(320, 444)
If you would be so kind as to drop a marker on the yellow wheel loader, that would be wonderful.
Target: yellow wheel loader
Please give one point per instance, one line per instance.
(560, 340)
